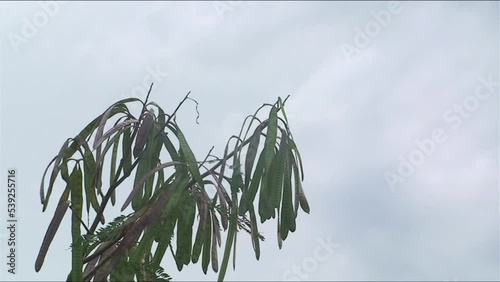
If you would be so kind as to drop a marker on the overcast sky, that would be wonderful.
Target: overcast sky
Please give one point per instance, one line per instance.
(394, 106)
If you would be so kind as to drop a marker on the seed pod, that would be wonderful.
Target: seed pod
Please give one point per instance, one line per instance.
(61, 209)
(143, 134)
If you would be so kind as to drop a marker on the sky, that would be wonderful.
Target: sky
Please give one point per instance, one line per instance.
(394, 106)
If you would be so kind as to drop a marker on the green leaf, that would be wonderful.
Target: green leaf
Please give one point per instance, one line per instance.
(124, 270)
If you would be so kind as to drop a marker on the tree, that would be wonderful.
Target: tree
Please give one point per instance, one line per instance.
(133, 245)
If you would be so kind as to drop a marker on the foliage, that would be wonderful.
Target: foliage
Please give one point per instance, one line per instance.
(174, 210)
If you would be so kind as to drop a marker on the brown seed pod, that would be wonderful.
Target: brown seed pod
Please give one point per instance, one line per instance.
(144, 130)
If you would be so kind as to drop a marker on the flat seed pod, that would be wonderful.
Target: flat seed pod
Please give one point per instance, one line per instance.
(143, 133)
(51, 232)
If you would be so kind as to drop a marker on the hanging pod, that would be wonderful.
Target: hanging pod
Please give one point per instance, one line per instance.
(143, 134)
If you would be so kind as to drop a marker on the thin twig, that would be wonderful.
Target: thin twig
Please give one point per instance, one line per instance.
(208, 155)
(176, 109)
